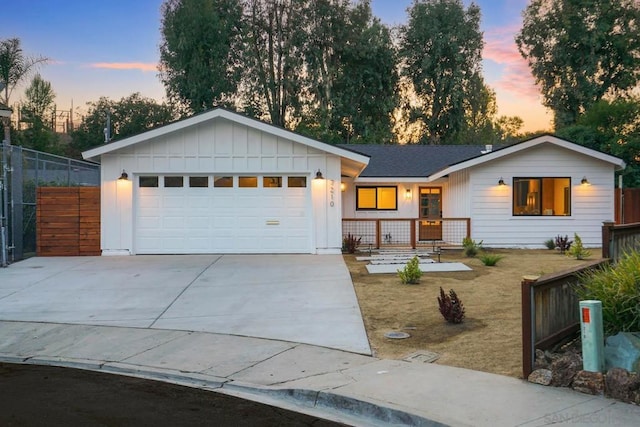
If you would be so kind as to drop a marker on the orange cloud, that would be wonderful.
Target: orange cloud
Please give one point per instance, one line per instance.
(142, 66)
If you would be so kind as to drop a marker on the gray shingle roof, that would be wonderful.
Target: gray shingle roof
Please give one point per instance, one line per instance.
(411, 161)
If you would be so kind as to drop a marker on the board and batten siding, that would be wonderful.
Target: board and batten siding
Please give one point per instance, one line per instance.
(456, 203)
(491, 205)
(222, 147)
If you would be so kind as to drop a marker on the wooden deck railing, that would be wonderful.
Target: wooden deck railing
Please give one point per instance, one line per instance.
(549, 311)
(411, 232)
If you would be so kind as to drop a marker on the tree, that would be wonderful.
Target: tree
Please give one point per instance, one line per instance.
(39, 97)
(129, 116)
(441, 50)
(612, 127)
(14, 66)
(200, 52)
(273, 58)
(36, 111)
(579, 51)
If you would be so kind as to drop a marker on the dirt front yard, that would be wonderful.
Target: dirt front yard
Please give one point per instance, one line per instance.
(490, 337)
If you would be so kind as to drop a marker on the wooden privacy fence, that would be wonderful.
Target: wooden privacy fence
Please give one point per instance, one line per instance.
(618, 239)
(68, 221)
(627, 205)
(549, 311)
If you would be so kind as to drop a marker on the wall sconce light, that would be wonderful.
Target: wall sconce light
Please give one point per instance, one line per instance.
(124, 176)
(343, 187)
(585, 181)
(407, 194)
(501, 181)
(319, 175)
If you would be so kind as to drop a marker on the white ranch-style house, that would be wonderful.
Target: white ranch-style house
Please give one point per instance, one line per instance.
(220, 182)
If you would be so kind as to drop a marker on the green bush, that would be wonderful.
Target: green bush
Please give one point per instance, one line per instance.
(550, 244)
(618, 287)
(577, 250)
(411, 273)
(471, 247)
(490, 259)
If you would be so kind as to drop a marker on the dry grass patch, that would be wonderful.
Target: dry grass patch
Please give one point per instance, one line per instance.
(488, 340)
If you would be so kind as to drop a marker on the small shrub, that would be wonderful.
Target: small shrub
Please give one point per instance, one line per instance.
(618, 287)
(411, 273)
(471, 247)
(451, 307)
(350, 243)
(577, 250)
(563, 243)
(550, 244)
(490, 259)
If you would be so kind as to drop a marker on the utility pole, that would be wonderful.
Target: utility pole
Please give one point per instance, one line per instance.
(5, 116)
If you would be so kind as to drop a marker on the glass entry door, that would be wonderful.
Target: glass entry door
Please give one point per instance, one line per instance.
(430, 213)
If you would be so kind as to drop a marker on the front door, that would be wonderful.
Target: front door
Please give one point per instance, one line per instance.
(430, 213)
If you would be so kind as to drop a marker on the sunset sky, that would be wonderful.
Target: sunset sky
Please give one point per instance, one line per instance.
(110, 48)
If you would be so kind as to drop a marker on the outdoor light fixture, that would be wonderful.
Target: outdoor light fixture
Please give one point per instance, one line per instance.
(319, 175)
(585, 181)
(124, 176)
(343, 187)
(407, 194)
(501, 181)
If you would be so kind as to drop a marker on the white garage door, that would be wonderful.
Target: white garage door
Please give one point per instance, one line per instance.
(222, 214)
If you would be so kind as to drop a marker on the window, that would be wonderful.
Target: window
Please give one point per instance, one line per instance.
(247, 181)
(297, 181)
(148, 181)
(542, 196)
(173, 181)
(223, 181)
(376, 198)
(199, 181)
(271, 181)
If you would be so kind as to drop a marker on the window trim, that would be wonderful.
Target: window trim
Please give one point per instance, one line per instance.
(376, 187)
(541, 214)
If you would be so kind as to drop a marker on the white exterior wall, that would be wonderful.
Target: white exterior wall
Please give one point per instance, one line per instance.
(456, 203)
(223, 147)
(491, 205)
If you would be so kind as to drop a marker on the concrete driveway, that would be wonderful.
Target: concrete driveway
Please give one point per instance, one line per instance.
(299, 298)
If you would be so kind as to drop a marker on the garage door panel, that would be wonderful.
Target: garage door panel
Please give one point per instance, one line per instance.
(222, 220)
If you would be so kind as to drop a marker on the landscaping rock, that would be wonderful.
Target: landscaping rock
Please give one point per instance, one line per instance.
(623, 351)
(565, 369)
(623, 385)
(589, 382)
(541, 361)
(540, 376)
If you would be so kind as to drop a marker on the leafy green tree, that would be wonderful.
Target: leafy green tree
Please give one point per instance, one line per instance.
(36, 112)
(14, 66)
(129, 116)
(441, 50)
(39, 98)
(508, 128)
(200, 52)
(612, 127)
(579, 51)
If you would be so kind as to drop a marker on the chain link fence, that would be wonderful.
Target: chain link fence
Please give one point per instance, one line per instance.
(23, 171)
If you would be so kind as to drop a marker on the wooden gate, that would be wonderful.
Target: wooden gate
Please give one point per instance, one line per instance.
(68, 221)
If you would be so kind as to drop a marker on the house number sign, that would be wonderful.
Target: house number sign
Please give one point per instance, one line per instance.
(331, 193)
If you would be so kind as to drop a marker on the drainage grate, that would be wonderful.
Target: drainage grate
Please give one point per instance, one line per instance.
(423, 356)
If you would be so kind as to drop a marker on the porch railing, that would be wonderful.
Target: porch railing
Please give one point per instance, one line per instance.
(411, 232)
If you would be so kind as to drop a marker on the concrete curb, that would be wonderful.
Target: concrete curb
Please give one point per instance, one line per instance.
(327, 405)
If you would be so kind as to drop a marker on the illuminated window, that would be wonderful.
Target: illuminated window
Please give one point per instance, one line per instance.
(272, 181)
(542, 196)
(223, 181)
(376, 198)
(296, 181)
(248, 181)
